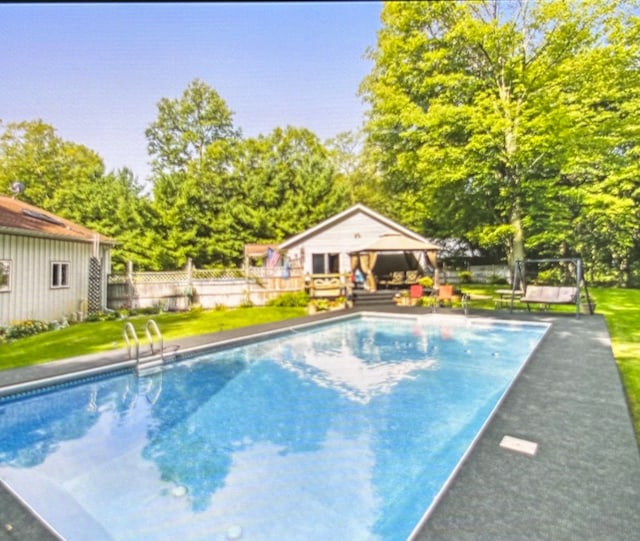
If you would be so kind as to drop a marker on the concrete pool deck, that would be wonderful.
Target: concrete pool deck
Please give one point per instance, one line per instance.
(582, 483)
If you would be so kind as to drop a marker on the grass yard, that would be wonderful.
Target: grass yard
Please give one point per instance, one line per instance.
(99, 336)
(618, 306)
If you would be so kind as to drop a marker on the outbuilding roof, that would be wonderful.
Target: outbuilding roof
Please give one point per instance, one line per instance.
(355, 209)
(20, 218)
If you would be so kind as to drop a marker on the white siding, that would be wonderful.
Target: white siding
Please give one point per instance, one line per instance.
(31, 295)
(351, 234)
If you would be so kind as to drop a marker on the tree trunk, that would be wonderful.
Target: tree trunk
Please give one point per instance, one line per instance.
(517, 250)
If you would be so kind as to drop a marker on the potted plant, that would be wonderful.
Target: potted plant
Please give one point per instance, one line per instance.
(402, 298)
(427, 284)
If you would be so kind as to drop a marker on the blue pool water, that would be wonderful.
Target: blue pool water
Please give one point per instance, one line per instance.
(342, 431)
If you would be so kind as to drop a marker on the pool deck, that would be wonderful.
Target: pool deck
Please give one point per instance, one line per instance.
(582, 483)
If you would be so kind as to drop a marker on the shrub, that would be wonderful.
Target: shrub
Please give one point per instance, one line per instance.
(465, 277)
(107, 316)
(321, 304)
(290, 300)
(25, 328)
(496, 280)
(424, 301)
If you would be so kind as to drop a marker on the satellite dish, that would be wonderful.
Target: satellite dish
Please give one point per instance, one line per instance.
(17, 188)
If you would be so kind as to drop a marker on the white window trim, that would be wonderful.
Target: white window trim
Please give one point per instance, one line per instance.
(60, 265)
(7, 265)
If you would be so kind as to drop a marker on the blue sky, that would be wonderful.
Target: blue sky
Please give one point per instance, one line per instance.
(96, 72)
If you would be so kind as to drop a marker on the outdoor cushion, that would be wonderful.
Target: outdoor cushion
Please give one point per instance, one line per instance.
(550, 294)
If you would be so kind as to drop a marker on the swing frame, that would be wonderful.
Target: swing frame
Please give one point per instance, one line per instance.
(519, 275)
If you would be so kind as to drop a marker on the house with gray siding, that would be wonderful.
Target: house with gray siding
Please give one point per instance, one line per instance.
(50, 267)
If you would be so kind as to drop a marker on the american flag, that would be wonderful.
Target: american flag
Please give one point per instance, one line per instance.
(273, 256)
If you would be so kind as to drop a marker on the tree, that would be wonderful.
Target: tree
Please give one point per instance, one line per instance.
(191, 143)
(288, 184)
(116, 207)
(53, 171)
(356, 172)
(185, 127)
(68, 179)
(491, 118)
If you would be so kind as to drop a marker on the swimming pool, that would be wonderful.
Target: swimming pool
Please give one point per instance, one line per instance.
(347, 430)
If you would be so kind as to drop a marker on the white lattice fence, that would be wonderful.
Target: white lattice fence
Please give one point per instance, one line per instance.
(159, 277)
(178, 290)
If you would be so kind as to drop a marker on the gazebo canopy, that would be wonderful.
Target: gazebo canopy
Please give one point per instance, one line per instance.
(395, 242)
(367, 256)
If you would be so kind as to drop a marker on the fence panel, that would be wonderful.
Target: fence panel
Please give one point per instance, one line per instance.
(209, 288)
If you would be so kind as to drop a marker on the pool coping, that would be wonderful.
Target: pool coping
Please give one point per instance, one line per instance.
(583, 482)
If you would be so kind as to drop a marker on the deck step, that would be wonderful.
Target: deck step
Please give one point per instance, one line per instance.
(376, 298)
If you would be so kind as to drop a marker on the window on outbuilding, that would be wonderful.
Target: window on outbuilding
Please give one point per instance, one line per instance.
(325, 263)
(317, 263)
(59, 274)
(5, 275)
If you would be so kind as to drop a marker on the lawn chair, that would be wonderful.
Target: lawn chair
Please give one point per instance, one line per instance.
(443, 295)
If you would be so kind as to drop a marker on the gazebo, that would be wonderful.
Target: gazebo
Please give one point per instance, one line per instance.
(366, 258)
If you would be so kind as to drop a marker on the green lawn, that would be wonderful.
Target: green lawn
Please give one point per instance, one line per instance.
(105, 335)
(619, 307)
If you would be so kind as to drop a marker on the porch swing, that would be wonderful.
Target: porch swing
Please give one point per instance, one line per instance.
(546, 295)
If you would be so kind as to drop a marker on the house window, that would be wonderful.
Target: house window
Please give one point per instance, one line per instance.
(325, 263)
(59, 274)
(5, 275)
(334, 263)
(317, 263)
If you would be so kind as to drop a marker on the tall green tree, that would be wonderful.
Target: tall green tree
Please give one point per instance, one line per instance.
(490, 119)
(214, 192)
(355, 170)
(191, 143)
(69, 179)
(117, 207)
(53, 171)
(186, 126)
(289, 183)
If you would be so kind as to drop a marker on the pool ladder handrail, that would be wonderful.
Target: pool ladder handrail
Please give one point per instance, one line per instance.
(129, 333)
(130, 336)
(153, 326)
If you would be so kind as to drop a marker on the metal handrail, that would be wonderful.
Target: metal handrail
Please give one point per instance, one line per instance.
(153, 326)
(130, 330)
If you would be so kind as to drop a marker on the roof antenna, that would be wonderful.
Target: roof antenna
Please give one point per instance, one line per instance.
(17, 188)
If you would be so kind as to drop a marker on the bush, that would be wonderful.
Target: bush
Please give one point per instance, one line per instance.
(424, 301)
(496, 280)
(321, 304)
(290, 300)
(25, 328)
(465, 277)
(107, 316)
